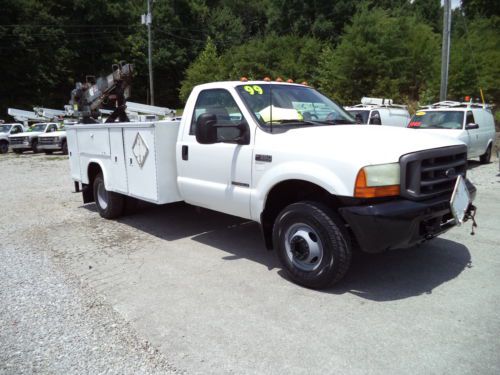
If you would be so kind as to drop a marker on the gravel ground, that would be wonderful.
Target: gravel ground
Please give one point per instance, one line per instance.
(50, 322)
(81, 294)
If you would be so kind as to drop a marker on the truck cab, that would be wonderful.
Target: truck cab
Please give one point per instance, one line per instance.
(7, 130)
(471, 123)
(53, 141)
(28, 140)
(379, 111)
(289, 158)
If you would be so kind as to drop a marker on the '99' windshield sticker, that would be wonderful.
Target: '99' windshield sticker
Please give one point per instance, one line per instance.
(255, 89)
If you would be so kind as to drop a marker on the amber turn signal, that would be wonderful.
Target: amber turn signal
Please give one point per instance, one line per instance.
(361, 190)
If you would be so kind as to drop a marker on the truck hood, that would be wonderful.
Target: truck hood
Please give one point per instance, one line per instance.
(454, 133)
(362, 144)
(26, 134)
(60, 133)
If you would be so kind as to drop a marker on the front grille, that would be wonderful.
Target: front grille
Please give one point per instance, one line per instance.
(46, 140)
(16, 141)
(429, 173)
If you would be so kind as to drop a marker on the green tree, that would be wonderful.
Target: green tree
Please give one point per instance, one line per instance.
(373, 59)
(473, 61)
(205, 68)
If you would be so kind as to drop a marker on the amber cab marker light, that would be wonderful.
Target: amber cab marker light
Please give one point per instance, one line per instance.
(363, 191)
(244, 79)
(289, 80)
(279, 79)
(267, 79)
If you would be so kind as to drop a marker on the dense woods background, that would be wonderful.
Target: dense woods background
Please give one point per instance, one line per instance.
(347, 49)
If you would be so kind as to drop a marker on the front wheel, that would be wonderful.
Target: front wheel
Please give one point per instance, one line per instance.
(64, 148)
(109, 204)
(312, 244)
(486, 157)
(4, 147)
(34, 147)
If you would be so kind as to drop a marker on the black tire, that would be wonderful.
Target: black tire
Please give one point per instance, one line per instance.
(4, 147)
(319, 228)
(48, 152)
(109, 204)
(64, 148)
(486, 157)
(34, 147)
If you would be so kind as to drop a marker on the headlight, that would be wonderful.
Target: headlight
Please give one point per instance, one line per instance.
(380, 180)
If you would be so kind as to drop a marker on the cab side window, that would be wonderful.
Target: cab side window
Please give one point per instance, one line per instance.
(220, 103)
(470, 118)
(375, 118)
(15, 129)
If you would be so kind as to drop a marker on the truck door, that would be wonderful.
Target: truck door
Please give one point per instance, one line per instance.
(473, 136)
(215, 176)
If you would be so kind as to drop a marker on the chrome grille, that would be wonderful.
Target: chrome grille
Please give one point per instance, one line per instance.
(429, 173)
(16, 140)
(46, 140)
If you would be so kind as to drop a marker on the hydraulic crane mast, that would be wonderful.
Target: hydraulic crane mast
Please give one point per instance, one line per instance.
(88, 98)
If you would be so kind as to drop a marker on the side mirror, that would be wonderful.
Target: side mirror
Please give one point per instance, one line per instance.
(206, 131)
(375, 121)
(471, 126)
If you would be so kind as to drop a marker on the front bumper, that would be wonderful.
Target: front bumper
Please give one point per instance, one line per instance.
(20, 146)
(52, 147)
(401, 223)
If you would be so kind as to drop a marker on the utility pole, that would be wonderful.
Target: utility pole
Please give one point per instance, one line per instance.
(445, 53)
(146, 19)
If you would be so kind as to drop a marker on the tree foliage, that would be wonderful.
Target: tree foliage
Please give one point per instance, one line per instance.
(348, 49)
(373, 59)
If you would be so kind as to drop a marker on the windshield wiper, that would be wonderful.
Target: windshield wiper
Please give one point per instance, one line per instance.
(292, 122)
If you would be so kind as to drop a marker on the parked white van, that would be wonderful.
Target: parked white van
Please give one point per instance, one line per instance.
(472, 123)
(376, 111)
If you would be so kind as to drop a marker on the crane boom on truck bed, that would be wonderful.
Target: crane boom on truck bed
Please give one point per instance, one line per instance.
(111, 91)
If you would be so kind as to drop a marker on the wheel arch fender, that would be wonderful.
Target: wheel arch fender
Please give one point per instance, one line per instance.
(94, 167)
(315, 174)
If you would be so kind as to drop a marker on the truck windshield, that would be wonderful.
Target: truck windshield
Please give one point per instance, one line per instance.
(5, 128)
(362, 112)
(292, 106)
(437, 120)
(38, 127)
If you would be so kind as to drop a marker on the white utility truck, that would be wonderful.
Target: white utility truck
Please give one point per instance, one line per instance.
(290, 159)
(53, 141)
(28, 140)
(380, 111)
(471, 123)
(7, 130)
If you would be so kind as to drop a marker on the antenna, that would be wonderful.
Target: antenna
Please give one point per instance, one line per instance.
(271, 107)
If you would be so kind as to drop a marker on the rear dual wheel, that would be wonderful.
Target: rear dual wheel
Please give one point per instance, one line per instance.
(109, 204)
(312, 244)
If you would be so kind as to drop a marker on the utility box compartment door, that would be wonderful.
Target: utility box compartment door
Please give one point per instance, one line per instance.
(94, 141)
(74, 154)
(117, 180)
(140, 162)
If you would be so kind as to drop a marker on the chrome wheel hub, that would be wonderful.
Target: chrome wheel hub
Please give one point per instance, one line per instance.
(303, 247)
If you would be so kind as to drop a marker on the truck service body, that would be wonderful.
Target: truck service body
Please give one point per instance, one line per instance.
(316, 187)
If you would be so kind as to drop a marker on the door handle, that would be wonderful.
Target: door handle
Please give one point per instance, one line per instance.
(185, 152)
